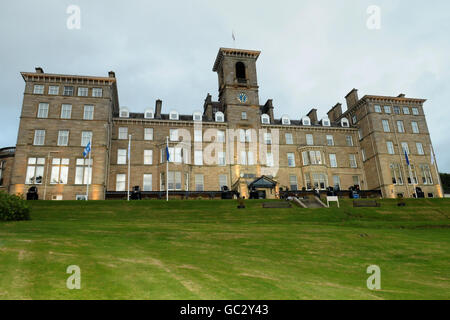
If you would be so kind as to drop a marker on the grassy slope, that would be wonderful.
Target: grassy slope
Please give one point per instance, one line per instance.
(211, 250)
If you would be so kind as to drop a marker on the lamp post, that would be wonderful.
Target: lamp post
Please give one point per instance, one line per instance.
(46, 174)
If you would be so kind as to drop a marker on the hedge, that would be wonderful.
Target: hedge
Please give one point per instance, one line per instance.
(13, 208)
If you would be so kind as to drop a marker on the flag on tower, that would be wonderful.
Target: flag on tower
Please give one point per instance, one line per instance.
(87, 149)
(406, 157)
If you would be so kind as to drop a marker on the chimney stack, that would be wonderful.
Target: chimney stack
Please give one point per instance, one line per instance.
(111, 74)
(313, 116)
(39, 70)
(158, 108)
(401, 95)
(335, 112)
(352, 98)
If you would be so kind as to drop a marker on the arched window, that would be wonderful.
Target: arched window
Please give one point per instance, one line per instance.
(173, 115)
(149, 114)
(124, 113)
(285, 120)
(219, 117)
(265, 119)
(326, 122)
(344, 122)
(240, 71)
(306, 121)
(197, 116)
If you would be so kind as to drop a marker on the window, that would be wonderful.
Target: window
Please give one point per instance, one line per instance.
(176, 155)
(363, 154)
(405, 148)
(309, 140)
(397, 110)
(88, 112)
(344, 123)
(97, 92)
(337, 182)
(390, 147)
(148, 133)
(68, 91)
(147, 185)
(311, 157)
(248, 135)
(400, 126)
(198, 157)
(285, 120)
(120, 182)
(267, 138)
(35, 171)
(353, 163)
(250, 159)
(396, 174)
(354, 119)
(415, 111)
(291, 160)
(82, 92)
(308, 182)
(42, 110)
(123, 133)
(39, 137)
(326, 122)
(60, 171)
(330, 140)
(83, 171)
(426, 174)
(86, 136)
(349, 141)
(405, 110)
(121, 156)
(221, 158)
(293, 182)
(244, 115)
(53, 90)
(174, 180)
(386, 127)
(173, 133)
(306, 121)
(124, 113)
(319, 180)
(220, 136)
(269, 159)
(63, 138)
(415, 127)
(222, 181)
(419, 147)
(412, 175)
(377, 108)
(243, 158)
(38, 89)
(355, 180)
(288, 137)
(360, 134)
(198, 182)
(66, 111)
(148, 114)
(219, 117)
(387, 109)
(198, 137)
(333, 161)
(265, 119)
(173, 115)
(197, 116)
(240, 71)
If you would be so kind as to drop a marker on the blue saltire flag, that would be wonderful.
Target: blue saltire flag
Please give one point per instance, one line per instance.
(406, 157)
(167, 153)
(87, 149)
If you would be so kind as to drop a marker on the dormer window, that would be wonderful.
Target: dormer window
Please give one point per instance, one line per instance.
(174, 115)
(219, 117)
(265, 119)
(197, 116)
(285, 120)
(345, 123)
(148, 114)
(326, 122)
(124, 113)
(306, 121)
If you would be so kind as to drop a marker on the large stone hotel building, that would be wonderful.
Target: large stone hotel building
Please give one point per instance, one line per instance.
(232, 141)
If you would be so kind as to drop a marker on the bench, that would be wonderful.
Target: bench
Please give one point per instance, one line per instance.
(365, 203)
(276, 204)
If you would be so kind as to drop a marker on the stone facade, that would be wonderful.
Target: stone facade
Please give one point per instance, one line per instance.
(231, 142)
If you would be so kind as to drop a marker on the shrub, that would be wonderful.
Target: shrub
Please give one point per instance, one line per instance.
(13, 208)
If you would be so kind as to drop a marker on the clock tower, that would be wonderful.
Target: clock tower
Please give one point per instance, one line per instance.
(236, 70)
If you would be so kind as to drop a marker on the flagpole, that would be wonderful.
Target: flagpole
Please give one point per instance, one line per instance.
(129, 166)
(89, 170)
(412, 180)
(167, 168)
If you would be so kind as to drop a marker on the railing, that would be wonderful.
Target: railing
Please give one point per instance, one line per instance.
(122, 195)
(341, 193)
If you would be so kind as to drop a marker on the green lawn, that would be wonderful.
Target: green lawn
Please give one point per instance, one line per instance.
(211, 250)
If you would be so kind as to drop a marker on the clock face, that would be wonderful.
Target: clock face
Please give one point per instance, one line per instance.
(242, 97)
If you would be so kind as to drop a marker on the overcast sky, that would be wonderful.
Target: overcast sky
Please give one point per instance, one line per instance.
(313, 52)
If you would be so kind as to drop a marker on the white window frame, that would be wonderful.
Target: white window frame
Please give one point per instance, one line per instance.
(147, 182)
(173, 115)
(377, 108)
(97, 92)
(400, 126)
(291, 159)
(122, 133)
(265, 119)
(309, 139)
(148, 157)
(219, 116)
(149, 114)
(390, 147)
(43, 110)
(86, 136)
(197, 116)
(330, 140)
(60, 171)
(66, 111)
(63, 138)
(349, 141)
(345, 123)
(38, 89)
(121, 156)
(306, 121)
(420, 150)
(39, 137)
(52, 91)
(83, 91)
(173, 135)
(35, 169)
(124, 113)
(333, 160)
(244, 115)
(88, 112)
(121, 181)
(387, 109)
(68, 91)
(415, 127)
(289, 138)
(148, 134)
(198, 157)
(285, 120)
(385, 125)
(352, 160)
(415, 111)
(83, 172)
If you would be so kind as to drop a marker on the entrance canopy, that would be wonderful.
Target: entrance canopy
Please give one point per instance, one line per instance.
(263, 182)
